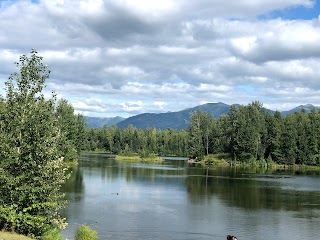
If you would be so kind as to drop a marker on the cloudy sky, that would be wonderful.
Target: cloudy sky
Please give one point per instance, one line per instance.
(124, 57)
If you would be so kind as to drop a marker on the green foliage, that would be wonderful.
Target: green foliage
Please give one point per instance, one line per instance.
(127, 152)
(248, 124)
(52, 234)
(72, 130)
(217, 160)
(85, 233)
(146, 154)
(249, 134)
(32, 169)
(132, 140)
(201, 135)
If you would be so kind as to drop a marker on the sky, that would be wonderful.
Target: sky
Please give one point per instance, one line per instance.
(125, 57)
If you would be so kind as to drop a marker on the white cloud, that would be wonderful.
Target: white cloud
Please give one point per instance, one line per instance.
(92, 7)
(127, 71)
(149, 9)
(160, 105)
(132, 106)
(278, 40)
(131, 56)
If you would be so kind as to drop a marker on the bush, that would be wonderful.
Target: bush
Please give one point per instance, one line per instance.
(85, 233)
(52, 234)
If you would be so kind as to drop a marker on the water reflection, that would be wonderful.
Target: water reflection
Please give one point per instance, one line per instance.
(124, 200)
(74, 185)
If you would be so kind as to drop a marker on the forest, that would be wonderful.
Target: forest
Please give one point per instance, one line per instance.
(248, 133)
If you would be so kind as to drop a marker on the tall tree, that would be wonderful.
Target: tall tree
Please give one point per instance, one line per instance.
(314, 138)
(200, 133)
(289, 140)
(248, 131)
(68, 127)
(31, 167)
(275, 128)
(302, 127)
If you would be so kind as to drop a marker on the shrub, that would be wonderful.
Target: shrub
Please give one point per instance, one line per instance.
(85, 233)
(52, 234)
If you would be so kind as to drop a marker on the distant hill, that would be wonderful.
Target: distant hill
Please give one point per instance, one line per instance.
(307, 108)
(99, 122)
(174, 120)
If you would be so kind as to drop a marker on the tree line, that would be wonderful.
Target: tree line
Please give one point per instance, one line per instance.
(247, 133)
(38, 136)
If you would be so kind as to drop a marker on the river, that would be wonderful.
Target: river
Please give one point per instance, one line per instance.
(175, 201)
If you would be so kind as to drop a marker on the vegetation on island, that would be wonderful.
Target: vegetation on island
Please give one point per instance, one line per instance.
(248, 134)
(142, 156)
(39, 136)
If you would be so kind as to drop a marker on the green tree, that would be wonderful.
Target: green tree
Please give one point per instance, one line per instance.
(302, 127)
(289, 140)
(248, 132)
(31, 167)
(224, 134)
(200, 133)
(72, 130)
(275, 128)
(314, 138)
(80, 138)
(196, 146)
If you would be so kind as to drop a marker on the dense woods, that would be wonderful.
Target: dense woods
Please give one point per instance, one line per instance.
(38, 136)
(248, 133)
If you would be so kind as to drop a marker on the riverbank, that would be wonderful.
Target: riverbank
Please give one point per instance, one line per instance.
(223, 160)
(12, 236)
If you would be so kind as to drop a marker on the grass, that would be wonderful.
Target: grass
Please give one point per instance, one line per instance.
(12, 236)
(85, 233)
(221, 160)
(138, 158)
(128, 158)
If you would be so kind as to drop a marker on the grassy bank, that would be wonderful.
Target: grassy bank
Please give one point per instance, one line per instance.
(12, 236)
(139, 159)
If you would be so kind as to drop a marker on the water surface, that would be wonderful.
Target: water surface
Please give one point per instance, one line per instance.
(173, 200)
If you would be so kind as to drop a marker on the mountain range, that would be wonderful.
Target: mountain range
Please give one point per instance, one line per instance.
(173, 120)
(99, 122)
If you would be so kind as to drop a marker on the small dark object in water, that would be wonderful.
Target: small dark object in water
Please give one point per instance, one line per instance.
(229, 237)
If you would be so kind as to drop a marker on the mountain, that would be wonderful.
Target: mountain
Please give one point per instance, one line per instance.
(307, 108)
(99, 122)
(174, 120)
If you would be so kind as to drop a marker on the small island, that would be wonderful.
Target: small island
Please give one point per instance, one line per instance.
(134, 157)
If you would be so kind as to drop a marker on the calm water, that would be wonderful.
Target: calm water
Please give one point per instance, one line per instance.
(174, 201)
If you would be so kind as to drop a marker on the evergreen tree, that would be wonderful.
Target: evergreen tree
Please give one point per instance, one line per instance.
(275, 128)
(248, 132)
(314, 138)
(302, 126)
(289, 140)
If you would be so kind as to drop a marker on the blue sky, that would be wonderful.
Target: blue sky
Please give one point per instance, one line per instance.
(125, 57)
(296, 12)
